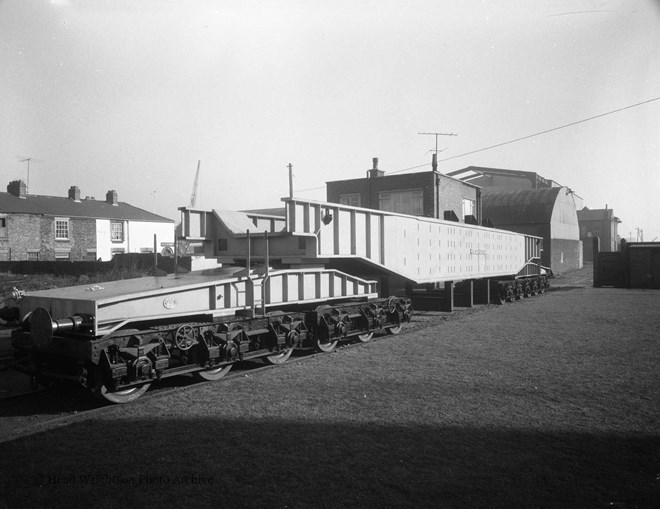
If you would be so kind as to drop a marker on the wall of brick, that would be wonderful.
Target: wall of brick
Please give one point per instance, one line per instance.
(23, 234)
(445, 194)
(31, 232)
(82, 237)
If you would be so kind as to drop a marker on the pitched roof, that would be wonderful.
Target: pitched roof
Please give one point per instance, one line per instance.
(66, 207)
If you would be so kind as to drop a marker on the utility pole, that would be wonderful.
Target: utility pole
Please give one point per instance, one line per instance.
(435, 151)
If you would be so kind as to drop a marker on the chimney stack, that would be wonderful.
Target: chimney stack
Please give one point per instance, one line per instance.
(375, 172)
(17, 188)
(111, 197)
(74, 193)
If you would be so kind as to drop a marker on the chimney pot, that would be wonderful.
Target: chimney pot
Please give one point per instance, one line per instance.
(17, 188)
(74, 193)
(375, 172)
(111, 197)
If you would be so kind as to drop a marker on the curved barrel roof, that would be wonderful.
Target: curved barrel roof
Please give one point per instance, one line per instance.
(522, 206)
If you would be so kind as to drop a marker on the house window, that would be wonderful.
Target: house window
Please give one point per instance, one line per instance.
(353, 200)
(404, 202)
(4, 256)
(33, 255)
(116, 251)
(61, 228)
(90, 255)
(117, 231)
(3, 227)
(146, 250)
(62, 256)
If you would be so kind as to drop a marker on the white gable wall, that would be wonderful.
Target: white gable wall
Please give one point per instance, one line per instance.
(141, 236)
(138, 236)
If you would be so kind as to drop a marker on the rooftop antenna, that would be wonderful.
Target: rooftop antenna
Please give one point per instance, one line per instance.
(22, 159)
(434, 163)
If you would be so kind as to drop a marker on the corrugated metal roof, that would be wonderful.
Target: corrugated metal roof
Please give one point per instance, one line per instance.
(522, 206)
(65, 207)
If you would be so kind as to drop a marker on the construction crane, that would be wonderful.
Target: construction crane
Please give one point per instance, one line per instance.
(183, 245)
(193, 196)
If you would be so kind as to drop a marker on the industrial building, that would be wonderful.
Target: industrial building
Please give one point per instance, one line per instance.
(548, 213)
(601, 223)
(526, 202)
(427, 194)
(53, 228)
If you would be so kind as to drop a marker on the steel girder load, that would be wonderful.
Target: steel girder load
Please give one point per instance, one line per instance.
(417, 249)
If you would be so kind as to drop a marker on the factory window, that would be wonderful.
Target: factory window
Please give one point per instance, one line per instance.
(62, 228)
(353, 200)
(404, 202)
(468, 207)
(3, 227)
(117, 231)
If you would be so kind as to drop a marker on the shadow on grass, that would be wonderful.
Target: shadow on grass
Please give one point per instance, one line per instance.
(213, 462)
(565, 288)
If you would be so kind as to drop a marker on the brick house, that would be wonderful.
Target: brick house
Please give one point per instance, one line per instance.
(34, 227)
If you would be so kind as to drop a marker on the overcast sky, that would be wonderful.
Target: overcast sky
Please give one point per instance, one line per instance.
(130, 94)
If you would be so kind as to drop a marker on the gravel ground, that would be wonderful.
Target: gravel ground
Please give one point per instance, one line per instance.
(552, 401)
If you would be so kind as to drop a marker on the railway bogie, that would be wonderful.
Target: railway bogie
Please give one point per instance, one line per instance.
(119, 367)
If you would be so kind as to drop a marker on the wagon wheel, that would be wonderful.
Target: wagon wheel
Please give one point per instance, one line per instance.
(184, 337)
(326, 347)
(391, 305)
(394, 330)
(279, 358)
(124, 395)
(215, 373)
(292, 341)
(366, 337)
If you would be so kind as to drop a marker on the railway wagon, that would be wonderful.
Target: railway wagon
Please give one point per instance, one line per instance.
(302, 282)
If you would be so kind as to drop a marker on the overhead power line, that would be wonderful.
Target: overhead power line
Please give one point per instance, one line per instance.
(517, 139)
(550, 130)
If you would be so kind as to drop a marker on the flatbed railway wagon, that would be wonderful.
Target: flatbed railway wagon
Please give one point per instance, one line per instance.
(304, 280)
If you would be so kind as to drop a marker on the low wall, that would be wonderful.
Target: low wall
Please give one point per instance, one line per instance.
(133, 261)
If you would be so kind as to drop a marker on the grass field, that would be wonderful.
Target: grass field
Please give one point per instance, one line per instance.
(548, 402)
